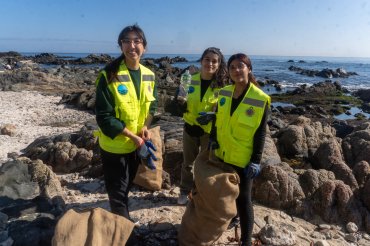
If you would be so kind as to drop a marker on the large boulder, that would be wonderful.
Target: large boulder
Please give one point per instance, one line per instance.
(312, 179)
(365, 194)
(26, 179)
(66, 153)
(270, 154)
(334, 202)
(363, 94)
(329, 156)
(302, 137)
(278, 188)
(356, 146)
(361, 170)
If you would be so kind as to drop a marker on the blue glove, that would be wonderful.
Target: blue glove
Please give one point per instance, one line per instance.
(252, 170)
(145, 152)
(206, 117)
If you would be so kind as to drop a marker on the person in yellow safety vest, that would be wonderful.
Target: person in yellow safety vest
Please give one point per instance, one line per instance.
(125, 104)
(240, 130)
(201, 97)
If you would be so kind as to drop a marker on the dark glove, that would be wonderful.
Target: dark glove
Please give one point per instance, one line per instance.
(252, 170)
(213, 144)
(145, 152)
(206, 117)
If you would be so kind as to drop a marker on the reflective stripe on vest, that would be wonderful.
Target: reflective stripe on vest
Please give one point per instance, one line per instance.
(128, 108)
(235, 134)
(195, 106)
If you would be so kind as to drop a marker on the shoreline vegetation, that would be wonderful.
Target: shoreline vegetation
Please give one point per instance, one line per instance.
(313, 190)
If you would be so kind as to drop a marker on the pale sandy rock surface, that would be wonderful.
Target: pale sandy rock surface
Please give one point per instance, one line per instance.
(35, 115)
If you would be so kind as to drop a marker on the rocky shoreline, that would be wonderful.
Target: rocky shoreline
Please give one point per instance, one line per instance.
(313, 190)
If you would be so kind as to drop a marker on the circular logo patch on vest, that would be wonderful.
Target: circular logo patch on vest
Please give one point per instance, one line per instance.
(249, 112)
(122, 89)
(222, 101)
(191, 89)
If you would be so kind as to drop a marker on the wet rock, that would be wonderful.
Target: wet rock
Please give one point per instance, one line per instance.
(342, 128)
(363, 94)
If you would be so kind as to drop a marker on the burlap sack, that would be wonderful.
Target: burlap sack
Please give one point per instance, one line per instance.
(212, 206)
(145, 177)
(93, 227)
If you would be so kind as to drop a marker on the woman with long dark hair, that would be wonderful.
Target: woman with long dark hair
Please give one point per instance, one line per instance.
(202, 97)
(241, 120)
(125, 105)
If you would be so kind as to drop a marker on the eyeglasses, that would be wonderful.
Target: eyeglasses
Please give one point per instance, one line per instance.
(135, 41)
(240, 66)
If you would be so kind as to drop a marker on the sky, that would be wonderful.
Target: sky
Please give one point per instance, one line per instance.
(334, 28)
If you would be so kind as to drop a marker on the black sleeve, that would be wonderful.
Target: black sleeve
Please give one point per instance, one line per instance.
(259, 138)
(104, 109)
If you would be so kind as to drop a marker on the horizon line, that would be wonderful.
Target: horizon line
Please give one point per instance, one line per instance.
(179, 54)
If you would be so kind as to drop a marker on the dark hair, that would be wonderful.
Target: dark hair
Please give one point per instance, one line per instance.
(245, 59)
(220, 79)
(112, 68)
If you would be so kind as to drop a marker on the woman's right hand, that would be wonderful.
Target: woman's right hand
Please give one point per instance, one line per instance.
(138, 141)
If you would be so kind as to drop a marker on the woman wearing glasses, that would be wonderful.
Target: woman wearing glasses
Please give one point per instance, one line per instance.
(202, 97)
(241, 121)
(125, 104)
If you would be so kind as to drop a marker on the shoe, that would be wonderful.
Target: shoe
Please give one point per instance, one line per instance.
(182, 199)
(234, 222)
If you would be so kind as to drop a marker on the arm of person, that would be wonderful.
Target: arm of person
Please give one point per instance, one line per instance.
(259, 138)
(106, 115)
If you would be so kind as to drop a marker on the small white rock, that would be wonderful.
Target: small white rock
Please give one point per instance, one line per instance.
(351, 227)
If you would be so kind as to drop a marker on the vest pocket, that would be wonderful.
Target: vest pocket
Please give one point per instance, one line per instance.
(149, 97)
(126, 111)
(245, 127)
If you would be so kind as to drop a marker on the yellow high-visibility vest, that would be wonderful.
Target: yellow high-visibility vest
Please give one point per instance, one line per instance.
(128, 107)
(235, 134)
(195, 106)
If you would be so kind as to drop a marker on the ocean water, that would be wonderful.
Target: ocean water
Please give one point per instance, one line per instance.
(277, 68)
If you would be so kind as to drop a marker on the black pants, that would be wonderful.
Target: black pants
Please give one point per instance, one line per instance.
(119, 172)
(245, 207)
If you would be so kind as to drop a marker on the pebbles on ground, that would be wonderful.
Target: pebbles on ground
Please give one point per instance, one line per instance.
(35, 115)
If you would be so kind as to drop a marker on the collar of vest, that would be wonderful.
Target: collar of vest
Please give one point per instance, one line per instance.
(228, 92)
(146, 74)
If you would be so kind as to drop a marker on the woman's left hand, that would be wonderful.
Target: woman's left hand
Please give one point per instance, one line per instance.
(145, 133)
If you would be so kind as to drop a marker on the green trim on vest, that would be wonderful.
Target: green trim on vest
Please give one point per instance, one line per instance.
(235, 134)
(128, 108)
(195, 106)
